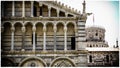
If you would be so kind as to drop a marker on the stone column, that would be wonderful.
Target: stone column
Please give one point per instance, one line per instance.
(65, 38)
(49, 11)
(23, 37)
(13, 8)
(34, 29)
(66, 14)
(12, 38)
(58, 13)
(23, 9)
(44, 38)
(55, 29)
(32, 3)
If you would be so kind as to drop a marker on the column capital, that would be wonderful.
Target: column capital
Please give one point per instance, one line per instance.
(40, 4)
(12, 29)
(55, 28)
(65, 28)
(23, 29)
(49, 7)
(44, 29)
(66, 14)
(34, 29)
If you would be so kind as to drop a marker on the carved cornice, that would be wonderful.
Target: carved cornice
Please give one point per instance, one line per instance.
(44, 52)
(39, 18)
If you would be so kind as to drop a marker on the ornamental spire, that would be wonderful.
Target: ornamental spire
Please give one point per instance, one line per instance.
(84, 6)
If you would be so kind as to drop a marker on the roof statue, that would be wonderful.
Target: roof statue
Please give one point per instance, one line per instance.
(84, 14)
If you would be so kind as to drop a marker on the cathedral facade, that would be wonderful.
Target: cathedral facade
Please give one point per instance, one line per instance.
(49, 34)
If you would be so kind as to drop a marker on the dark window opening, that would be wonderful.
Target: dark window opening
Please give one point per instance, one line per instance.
(90, 58)
(96, 34)
(90, 45)
(100, 38)
(107, 58)
(35, 11)
(73, 43)
(40, 11)
(69, 15)
(62, 14)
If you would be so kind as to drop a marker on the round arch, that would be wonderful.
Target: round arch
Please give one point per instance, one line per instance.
(47, 23)
(18, 23)
(28, 23)
(62, 62)
(38, 23)
(73, 23)
(32, 60)
(61, 23)
(6, 23)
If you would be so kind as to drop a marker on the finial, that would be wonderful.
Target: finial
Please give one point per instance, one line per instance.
(116, 42)
(84, 6)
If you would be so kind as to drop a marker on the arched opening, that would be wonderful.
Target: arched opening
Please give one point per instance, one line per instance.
(53, 12)
(49, 36)
(90, 58)
(28, 37)
(32, 62)
(18, 7)
(70, 36)
(45, 11)
(60, 37)
(18, 36)
(5, 62)
(39, 36)
(107, 58)
(6, 37)
(62, 14)
(62, 62)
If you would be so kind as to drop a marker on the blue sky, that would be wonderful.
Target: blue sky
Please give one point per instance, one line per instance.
(106, 14)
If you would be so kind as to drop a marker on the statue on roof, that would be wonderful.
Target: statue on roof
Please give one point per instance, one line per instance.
(84, 14)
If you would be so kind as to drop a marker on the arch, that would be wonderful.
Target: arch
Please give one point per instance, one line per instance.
(6, 22)
(18, 22)
(7, 28)
(90, 58)
(38, 23)
(68, 62)
(28, 23)
(49, 36)
(70, 29)
(39, 28)
(39, 36)
(18, 36)
(28, 36)
(70, 22)
(60, 36)
(5, 62)
(50, 28)
(61, 23)
(33, 59)
(18, 27)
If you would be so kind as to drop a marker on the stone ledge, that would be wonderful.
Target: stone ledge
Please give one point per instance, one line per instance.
(44, 52)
